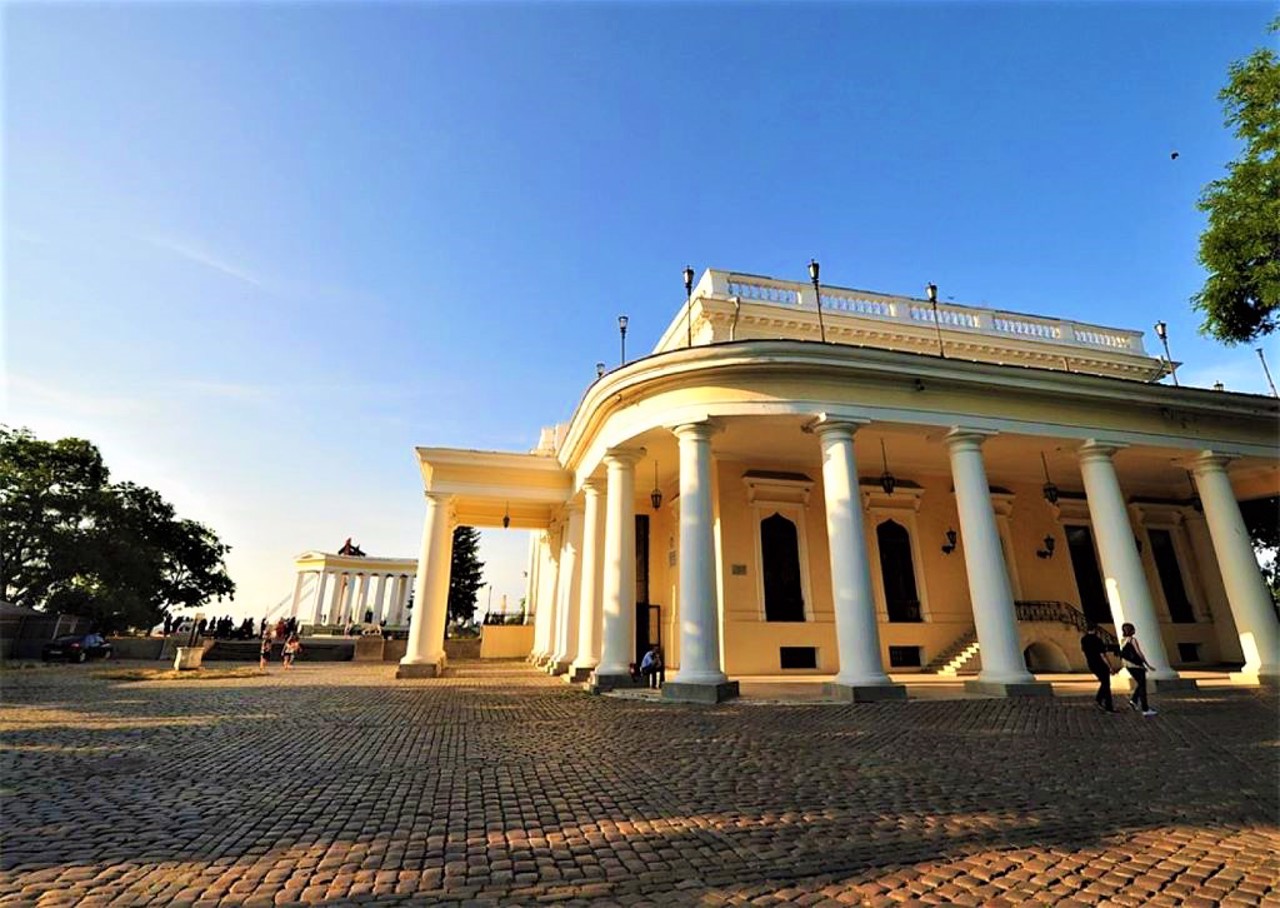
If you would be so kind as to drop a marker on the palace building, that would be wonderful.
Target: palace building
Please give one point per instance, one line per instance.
(879, 484)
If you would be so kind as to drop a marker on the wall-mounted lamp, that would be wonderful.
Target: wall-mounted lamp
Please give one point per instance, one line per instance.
(1049, 545)
(599, 370)
(655, 497)
(951, 543)
(1050, 490)
(506, 515)
(887, 480)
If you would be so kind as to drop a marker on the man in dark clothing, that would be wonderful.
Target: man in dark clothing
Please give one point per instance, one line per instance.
(1095, 649)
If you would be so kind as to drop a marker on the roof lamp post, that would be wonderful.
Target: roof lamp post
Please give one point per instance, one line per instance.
(599, 370)
(931, 291)
(1162, 332)
(622, 330)
(688, 303)
(817, 292)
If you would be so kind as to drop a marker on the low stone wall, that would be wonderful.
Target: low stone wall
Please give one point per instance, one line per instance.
(137, 647)
(467, 648)
(506, 641)
(394, 650)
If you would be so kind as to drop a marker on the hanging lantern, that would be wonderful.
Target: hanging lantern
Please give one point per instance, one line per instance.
(1050, 490)
(655, 497)
(887, 480)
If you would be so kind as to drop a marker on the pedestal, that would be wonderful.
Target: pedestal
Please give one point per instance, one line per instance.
(1009, 689)
(700, 693)
(864, 693)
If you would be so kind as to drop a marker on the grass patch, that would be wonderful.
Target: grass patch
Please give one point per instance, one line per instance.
(168, 674)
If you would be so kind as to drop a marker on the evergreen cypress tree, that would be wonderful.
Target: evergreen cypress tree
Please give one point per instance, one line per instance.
(466, 574)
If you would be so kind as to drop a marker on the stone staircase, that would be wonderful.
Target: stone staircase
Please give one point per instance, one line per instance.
(960, 658)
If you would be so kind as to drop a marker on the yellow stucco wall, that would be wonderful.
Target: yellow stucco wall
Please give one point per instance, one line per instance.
(506, 641)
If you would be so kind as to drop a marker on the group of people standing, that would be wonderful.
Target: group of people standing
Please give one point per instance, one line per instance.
(1131, 658)
(288, 652)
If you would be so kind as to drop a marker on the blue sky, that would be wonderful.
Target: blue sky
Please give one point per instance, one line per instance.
(259, 252)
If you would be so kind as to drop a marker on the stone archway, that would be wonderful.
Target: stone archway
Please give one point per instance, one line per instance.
(1042, 656)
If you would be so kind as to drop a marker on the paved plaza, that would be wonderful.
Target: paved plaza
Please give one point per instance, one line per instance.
(336, 784)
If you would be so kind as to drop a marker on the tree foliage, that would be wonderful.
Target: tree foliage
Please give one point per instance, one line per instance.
(1240, 246)
(1262, 520)
(466, 574)
(71, 541)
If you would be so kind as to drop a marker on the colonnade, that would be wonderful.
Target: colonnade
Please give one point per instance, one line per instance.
(582, 586)
(340, 595)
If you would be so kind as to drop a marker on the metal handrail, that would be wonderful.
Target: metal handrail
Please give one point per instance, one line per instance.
(1060, 612)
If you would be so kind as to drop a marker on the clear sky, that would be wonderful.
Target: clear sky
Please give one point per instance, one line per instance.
(259, 252)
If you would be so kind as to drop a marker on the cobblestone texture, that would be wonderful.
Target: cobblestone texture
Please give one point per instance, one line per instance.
(497, 785)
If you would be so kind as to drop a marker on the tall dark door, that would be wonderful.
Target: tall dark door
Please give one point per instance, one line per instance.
(648, 629)
(642, 558)
(1175, 592)
(780, 551)
(1084, 562)
(897, 568)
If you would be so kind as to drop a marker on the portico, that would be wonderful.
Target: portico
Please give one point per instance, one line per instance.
(340, 589)
(810, 501)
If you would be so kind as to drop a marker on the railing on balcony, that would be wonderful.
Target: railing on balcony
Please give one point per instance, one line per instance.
(990, 322)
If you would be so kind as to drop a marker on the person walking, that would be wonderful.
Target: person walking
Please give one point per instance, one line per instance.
(1095, 651)
(1135, 660)
(292, 647)
(264, 652)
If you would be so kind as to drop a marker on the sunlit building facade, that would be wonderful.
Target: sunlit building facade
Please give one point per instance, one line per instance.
(882, 484)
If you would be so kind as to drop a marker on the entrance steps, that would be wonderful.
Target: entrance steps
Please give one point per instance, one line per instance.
(961, 658)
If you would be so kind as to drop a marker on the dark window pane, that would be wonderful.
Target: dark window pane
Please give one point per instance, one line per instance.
(780, 550)
(896, 567)
(798, 656)
(904, 657)
(1093, 595)
(1175, 593)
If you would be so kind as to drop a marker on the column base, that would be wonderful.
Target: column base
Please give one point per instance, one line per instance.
(578, 675)
(601, 684)
(1009, 688)
(557, 668)
(864, 693)
(1166, 685)
(421, 669)
(684, 692)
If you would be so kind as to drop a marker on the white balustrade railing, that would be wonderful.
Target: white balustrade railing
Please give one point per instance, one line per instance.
(863, 304)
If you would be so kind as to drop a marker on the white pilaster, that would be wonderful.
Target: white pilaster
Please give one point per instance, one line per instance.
(424, 655)
(1003, 668)
(861, 675)
(1250, 601)
(548, 578)
(618, 595)
(592, 571)
(1122, 574)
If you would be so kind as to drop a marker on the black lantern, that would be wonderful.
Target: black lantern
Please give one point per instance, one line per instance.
(655, 497)
(1050, 490)
(688, 302)
(1049, 544)
(622, 330)
(951, 543)
(814, 268)
(599, 370)
(506, 515)
(887, 480)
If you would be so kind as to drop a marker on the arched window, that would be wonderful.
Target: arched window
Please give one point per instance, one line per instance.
(780, 553)
(897, 568)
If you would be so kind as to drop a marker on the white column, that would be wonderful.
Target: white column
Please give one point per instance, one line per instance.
(424, 655)
(1251, 607)
(335, 604)
(363, 604)
(297, 594)
(318, 606)
(378, 600)
(1122, 574)
(548, 578)
(570, 585)
(993, 612)
(618, 596)
(699, 608)
(530, 578)
(402, 599)
(857, 633)
(592, 563)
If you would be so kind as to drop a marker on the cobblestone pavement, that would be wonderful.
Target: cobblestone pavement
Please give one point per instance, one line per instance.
(336, 784)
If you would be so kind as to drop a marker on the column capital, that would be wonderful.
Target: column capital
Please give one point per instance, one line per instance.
(1211, 462)
(825, 424)
(596, 485)
(967, 437)
(441, 499)
(697, 431)
(1099, 449)
(625, 457)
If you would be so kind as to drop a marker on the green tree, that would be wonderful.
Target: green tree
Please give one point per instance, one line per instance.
(71, 541)
(1240, 247)
(466, 574)
(1262, 520)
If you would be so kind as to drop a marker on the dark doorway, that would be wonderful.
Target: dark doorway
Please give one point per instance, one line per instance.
(780, 551)
(1084, 562)
(642, 558)
(1175, 593)
(901, 600)
(648, 629)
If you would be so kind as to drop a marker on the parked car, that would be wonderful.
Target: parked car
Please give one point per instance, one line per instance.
(76, 648)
